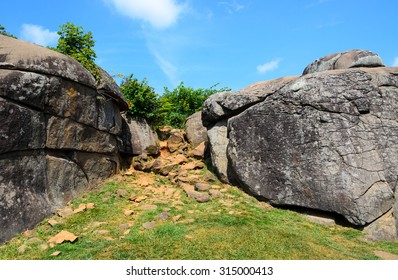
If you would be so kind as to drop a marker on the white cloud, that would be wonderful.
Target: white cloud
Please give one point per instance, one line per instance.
(231, 6)
(160, 14)
(395, 64)
(268, 66)
(38, 35)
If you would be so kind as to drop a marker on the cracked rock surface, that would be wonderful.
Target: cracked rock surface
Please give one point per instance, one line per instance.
(325, 141)
(59, 132)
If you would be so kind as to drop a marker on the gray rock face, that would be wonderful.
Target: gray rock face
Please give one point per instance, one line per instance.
(17, 55)
(345, 60)
(218, 149)
(139, 137)
(108, 88)
(59, 132)
(323, 141)
(196, 132)
(223, 105)
(220, 106)
(309, 143)
(23, 198)
(21, 128)
(382, 229)
(70, 135)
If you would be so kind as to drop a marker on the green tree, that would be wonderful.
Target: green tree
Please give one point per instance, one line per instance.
(3, 31)
(73, 41)
(142, 99)
(177, 105)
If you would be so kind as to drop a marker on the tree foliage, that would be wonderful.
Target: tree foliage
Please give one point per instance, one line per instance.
(177, 105)
(3, 31)
(73, 41)
(171, 108)
(142, 99)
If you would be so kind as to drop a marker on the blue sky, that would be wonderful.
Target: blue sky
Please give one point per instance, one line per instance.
(204, 42)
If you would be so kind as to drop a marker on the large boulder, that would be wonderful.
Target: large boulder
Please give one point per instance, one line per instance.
(196, 132)
(138, 137)
(324, 141)
(60, 132)
(218, 149)
(345, 60)
(20, 55)
(223, 105)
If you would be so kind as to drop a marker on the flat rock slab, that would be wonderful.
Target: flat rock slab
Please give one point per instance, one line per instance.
(199, 196)
(149, 225)
(163, 216)
(62, 237)
(215, 193)
(321, 220)
(148, 207)
(386, 256)
(201, 187)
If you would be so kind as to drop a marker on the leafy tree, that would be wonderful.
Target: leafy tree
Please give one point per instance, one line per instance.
(142, 99)
(3, 31)
(73, 41)
(177, 105)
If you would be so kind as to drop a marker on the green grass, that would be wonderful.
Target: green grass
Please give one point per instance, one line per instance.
(234, 226)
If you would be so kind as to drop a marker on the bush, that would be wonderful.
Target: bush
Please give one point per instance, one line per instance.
(172, 108)
(142, 99)
(177, 105)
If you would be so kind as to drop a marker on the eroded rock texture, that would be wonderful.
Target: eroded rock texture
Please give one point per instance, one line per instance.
(138, 137)
(326, 141)
(345, 60)
(196, 132)
(59, 132)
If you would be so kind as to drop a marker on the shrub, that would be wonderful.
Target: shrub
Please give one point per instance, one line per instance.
(142, 99)
(177, 105)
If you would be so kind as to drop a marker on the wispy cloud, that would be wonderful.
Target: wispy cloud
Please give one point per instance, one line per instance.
(168, 68)
(231, 6)
(268, 66)
(160, 14)
(166, 48)
(161, 42)
(38, 35)
(395, 64)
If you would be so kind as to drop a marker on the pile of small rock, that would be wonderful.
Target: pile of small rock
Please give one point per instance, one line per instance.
(181, 163)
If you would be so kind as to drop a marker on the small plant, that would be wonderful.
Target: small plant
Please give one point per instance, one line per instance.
(3, 31)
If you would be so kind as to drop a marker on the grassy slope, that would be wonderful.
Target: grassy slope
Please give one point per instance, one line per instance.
(234, 226)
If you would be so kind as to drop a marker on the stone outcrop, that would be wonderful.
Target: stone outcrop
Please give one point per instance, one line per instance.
(324, 141)
(138, 137)
(345, 60)
(218, 149)
(60, 131)
(220, 106)
(196, 132)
